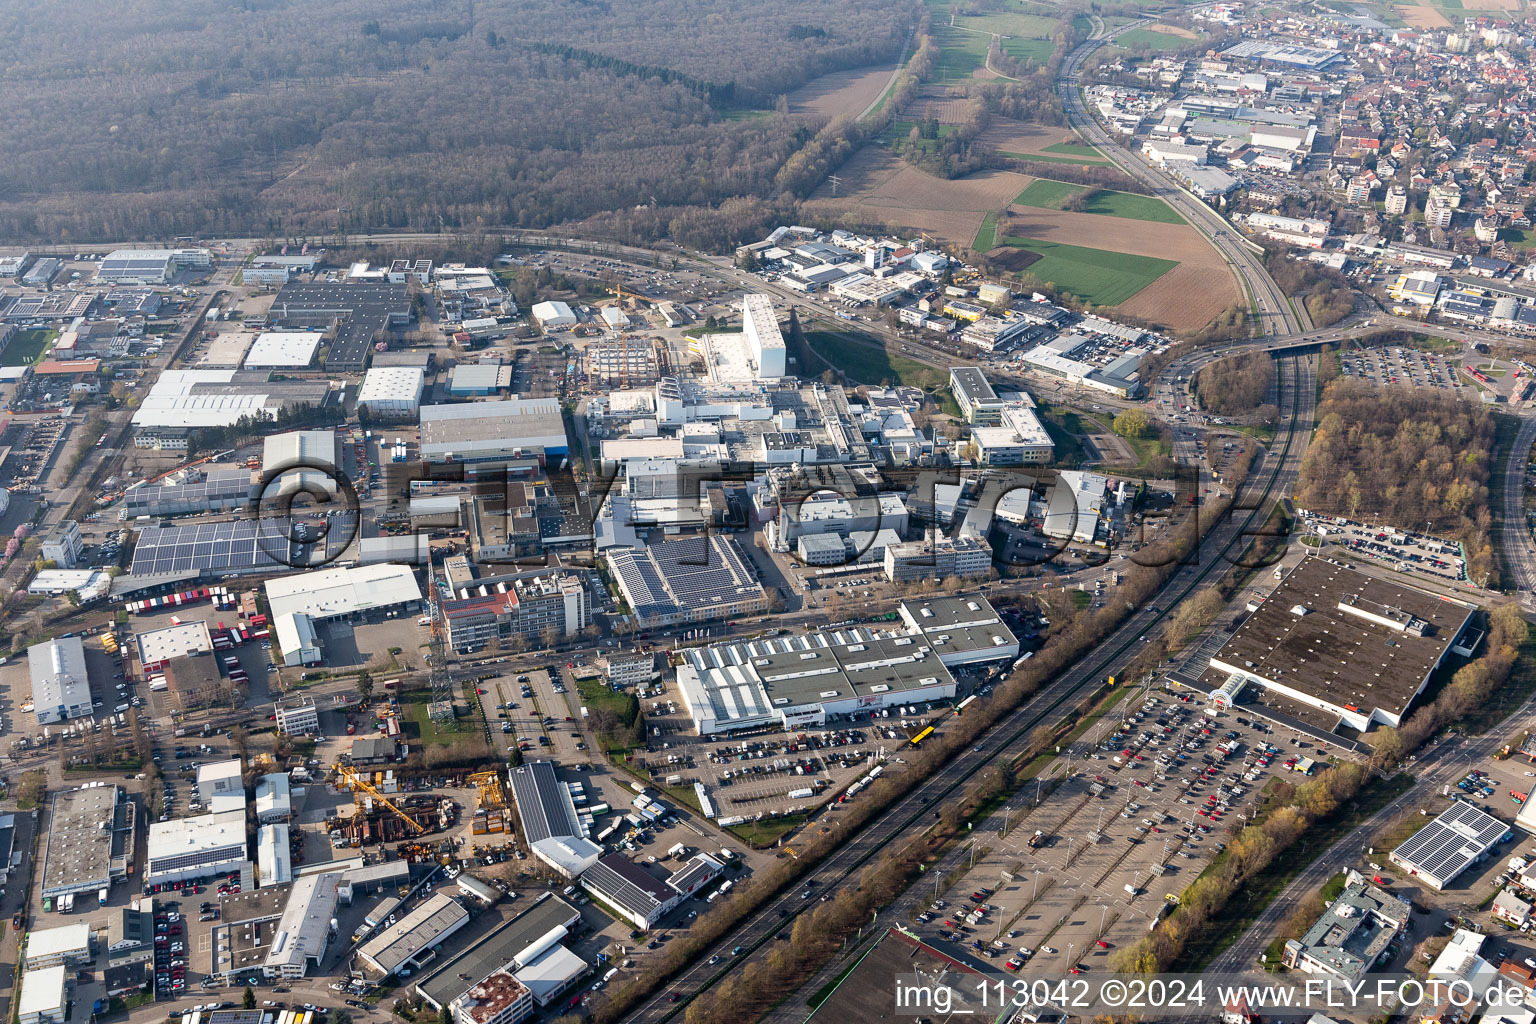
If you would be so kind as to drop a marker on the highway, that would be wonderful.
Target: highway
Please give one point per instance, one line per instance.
(1271, 476)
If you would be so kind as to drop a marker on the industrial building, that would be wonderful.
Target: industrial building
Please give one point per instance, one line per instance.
(300, 461)
(61, 689)
(1440, 851)
(68, 944)
(301, 603)
(274, 862)
(199, 681)
(1018, 438)
(500, 431)
(640, 898)
(391, 392)
(360, 311)
(804, 681)
(1077, 508)
(181, 401)
(192, 492)
(1357, 648)
(479, 379)
(963, 630)
(196, 847)
(44, 996)
(305, 929)
(150, 266)
(975, 396)
(534, 608)
(1351, 935)
(274, 799)
(499, 999)
(529, 945)
(551, 827)
(157, 647)
(90, 840)
(681, 581)
(219, 786)
(760, 325)
(407, 944)
(283, 350)
(553, 315)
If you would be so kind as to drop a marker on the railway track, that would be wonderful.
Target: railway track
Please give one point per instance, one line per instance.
(1008, 739)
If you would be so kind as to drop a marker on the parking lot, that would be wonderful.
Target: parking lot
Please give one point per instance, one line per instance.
(1403, 550)
(1407, 367)
(1111, 847)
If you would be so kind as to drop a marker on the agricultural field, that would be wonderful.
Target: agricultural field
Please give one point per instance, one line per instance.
(1024, 141)
(963, 39)
(868, 362)
(840, 94)
(1187, 294)
(1156, 37)
(878, 187)
(1098, 276)
(1046, 194)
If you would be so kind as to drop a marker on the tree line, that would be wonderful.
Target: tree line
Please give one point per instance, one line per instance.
(1237, 385)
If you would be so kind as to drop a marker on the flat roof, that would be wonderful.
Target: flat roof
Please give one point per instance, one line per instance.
(497, 949)
(283, 350)
(303, 929)
(79, 851)
(324, 593)
(177, 641)
(273, 855)
(543, 802)
(695, 574)
(67, 938)
(974, 384)
(421, 928)
(1353, 646)
(224, 830)
(626, 885)
(493, 995)
(42, 991)
(59, 679)
(392, 384)
(1448, 845)
(468, 429)
(971, 623)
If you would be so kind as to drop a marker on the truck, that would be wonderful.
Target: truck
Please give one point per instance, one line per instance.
(677, 851)
(101, 898)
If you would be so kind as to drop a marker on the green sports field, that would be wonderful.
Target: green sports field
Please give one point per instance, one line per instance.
(1093, 275)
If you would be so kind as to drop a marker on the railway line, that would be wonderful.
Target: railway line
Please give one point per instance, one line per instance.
(1008, 739)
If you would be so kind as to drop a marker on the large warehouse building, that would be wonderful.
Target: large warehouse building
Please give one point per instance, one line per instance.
(529, 947)
(150, 266)
(698, 579)
(408, 943)
(90, 840)
(196, 847)
(1357, 648)
(551, 827)
(60, 687)
(766, 341)
(479, 432)
(302, 602)
(391, 392)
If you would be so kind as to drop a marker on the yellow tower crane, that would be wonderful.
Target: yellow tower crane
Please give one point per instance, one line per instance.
(349, 777)
(492, 796)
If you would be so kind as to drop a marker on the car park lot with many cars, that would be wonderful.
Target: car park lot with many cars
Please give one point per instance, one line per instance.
(1415, 553)
(1139, 815)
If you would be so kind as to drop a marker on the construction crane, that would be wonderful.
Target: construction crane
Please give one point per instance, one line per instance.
(349, 777)
(492, 796)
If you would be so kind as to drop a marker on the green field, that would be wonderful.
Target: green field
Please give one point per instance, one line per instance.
(963, 46)
(1093, 275)
(1074, 149)
(898, 136)
(1044, 158)
(1517, 236)
(986, 235)
(27, 347)
(1146, 39)
(871, 364)
(1045, 194)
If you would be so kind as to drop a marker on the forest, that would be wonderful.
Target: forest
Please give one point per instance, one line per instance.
(1237, 386)
(1403, 457)
(153, 118)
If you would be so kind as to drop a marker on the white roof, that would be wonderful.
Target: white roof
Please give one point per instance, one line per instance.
(177, 641)
(571, 853)
(392, 384)
(550, 970)
(273, 794)
(53, 941)
(42, 992)
(553, 312)
(190, 835)
(216, 771)
(306, 920)
(58, 674)
(309, 448)
(325, 593)
(278, 349)
(470, 429)
(273, 856)
(170, 403)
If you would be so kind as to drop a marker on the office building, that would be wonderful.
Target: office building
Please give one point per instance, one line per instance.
(297, 716)
(975, 396)
(64, 546)
(304, 931)
(1351, 935)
